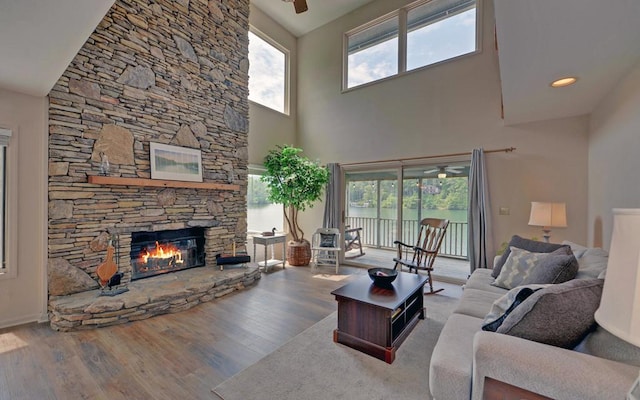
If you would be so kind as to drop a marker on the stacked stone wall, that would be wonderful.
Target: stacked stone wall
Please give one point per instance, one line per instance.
(171, 72)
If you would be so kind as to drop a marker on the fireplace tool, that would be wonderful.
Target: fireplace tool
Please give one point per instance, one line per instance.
(109, 277)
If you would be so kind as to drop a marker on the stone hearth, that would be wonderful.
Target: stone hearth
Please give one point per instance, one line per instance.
(162, 294)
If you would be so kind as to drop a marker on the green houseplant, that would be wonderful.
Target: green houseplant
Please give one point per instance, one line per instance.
(295, 182)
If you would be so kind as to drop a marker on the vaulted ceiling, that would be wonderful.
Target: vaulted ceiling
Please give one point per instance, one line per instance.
(541, 40)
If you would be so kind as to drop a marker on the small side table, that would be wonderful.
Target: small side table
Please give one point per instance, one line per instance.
(269, 241)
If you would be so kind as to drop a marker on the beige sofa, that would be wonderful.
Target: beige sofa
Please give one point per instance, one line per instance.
(465, 355)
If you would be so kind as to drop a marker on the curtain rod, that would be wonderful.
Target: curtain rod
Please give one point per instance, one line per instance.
(505, 150)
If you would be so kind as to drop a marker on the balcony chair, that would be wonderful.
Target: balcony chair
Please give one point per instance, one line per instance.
(422, 255)
(325, 246)
(352, 240)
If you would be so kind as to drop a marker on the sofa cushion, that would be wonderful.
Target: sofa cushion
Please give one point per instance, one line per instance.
(555, 268)
(476, 302)
(451, 363)
(577, 249)
(559, 315)
(481, 279)
(603, 344)
(504, 305)
(592, 264)
(524, 267)
(529, 245)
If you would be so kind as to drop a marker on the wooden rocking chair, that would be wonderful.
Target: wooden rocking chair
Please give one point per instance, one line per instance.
(352, 240)
(423, 254)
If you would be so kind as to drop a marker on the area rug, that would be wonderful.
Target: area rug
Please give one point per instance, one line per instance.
(330, 277)
(311, 366)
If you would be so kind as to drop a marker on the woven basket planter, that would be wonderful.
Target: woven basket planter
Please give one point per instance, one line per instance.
(298, 253)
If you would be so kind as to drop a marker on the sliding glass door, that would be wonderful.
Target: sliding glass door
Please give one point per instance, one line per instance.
(388, 204)
(372, 204)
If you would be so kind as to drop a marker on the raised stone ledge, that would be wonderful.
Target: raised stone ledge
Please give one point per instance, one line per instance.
(168, 293)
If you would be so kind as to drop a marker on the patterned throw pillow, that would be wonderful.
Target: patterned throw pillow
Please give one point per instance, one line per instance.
(517, 268)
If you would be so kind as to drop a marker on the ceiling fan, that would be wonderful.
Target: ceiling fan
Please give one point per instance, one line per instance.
(299, 5)
(443, 170)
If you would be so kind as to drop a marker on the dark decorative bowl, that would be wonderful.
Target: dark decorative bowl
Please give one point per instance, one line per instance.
(382, 276)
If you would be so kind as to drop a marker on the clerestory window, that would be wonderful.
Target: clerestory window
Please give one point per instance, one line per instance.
(418, 35)
(268, 73)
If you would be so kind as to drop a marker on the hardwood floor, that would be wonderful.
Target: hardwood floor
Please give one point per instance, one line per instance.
(175, 356)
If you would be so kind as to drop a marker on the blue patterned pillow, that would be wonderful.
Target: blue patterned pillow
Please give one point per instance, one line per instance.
(327, 240)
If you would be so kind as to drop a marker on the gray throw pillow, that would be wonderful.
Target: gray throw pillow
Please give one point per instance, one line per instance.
(555, 268)
(559, 315)
(529, 245)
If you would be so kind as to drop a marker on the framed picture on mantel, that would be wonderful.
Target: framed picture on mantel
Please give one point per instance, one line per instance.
(175, 163)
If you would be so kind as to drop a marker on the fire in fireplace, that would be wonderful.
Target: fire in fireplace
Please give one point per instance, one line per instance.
(154, 253)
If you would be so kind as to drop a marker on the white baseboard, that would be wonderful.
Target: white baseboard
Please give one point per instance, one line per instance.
(24, 319)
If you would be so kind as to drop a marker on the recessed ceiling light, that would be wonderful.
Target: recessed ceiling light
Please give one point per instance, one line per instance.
(562, 82)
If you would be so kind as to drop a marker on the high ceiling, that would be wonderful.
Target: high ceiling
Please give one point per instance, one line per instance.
(320, 13)
(597, 41)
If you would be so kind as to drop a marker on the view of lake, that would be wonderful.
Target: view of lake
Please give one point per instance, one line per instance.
(410, 214)
(264, 218)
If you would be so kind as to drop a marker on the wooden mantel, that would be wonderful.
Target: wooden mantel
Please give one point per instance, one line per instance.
(116, 180)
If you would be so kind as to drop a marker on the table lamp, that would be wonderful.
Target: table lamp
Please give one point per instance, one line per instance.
(548, 215)
(619, 311)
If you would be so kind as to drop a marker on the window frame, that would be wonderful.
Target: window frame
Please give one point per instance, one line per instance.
(287, 71)
(401, 14)
(8, 255)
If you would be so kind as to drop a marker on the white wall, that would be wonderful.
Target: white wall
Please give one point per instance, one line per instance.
(448, 108)
(614, 164)
(268, 128)
(23, 299)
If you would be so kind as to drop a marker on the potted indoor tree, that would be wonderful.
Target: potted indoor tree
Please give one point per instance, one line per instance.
(295, 182)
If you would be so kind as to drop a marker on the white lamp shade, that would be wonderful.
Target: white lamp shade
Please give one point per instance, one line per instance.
(619, 311)
(548, 214)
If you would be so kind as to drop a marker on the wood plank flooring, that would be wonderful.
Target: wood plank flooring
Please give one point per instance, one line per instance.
(175, 356)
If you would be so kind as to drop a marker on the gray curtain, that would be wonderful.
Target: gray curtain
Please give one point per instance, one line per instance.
(481, 249)
(332, 203)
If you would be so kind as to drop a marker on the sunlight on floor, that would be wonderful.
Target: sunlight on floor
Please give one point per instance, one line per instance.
(330, 277)
(9, 342)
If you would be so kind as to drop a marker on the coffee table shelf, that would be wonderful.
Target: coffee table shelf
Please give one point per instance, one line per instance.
(377, 320)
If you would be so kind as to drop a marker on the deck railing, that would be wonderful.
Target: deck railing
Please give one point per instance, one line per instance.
(381, 232)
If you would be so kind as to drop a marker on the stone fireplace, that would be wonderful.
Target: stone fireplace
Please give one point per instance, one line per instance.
(171, 72)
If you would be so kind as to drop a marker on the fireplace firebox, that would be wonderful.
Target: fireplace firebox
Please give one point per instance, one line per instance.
(154, 253)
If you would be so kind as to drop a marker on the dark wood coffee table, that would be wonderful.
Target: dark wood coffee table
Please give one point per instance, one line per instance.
(376, 320)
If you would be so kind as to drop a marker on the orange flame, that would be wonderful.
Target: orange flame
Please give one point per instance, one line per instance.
(163, 251)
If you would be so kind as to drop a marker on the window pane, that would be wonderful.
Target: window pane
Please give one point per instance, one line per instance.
(267, 74)
(373, 53)
(262, 215)
(440, 30)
